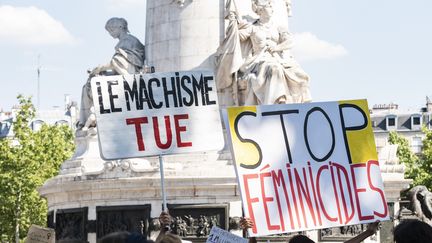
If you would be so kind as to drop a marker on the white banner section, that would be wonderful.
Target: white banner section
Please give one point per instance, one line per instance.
(306, 166)
(218, 235)
(37, 234)
(157, 114)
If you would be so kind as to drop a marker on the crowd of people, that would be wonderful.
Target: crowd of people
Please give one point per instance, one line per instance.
(408, 231)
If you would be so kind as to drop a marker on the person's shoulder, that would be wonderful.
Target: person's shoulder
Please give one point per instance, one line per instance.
(130, 38)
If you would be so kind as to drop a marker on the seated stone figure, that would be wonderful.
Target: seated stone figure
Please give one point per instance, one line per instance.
(128, 59)
(255, 61)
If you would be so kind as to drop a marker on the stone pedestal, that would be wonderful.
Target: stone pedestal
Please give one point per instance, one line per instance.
(91, 196)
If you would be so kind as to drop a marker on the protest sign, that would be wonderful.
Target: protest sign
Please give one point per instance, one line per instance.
(37, 234)
(306, 166)
(218, 235)
(157, 114)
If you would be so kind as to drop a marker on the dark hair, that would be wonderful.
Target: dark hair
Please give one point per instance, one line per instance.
(123, 237)
(300, 239)
(412, 231)
(171, 238)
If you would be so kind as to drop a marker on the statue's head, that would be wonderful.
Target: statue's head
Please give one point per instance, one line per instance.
(116, 25)
(262, 6)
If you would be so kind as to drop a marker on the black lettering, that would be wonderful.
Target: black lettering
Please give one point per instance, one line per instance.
(102, 110)
(168, 92)
(144, 96)
(198, 86)
(179, 95)
(280, 114)
(185, 79)
(112, 97)
(131, 94)
(318, 109)
(150, 90)
(245, 140)
(352, 128)
(207, 89)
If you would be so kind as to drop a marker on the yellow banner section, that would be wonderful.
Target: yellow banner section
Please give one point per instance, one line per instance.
(361, 142)
(246, 154)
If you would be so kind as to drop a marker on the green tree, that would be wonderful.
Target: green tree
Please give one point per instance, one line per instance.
(425, 178)
(404, 153)
(27, 160)
(418, 168)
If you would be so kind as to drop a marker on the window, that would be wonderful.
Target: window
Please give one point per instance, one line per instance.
(416, 121)
(391, 122)
(62, 122)
(37, 124)
(416, 144)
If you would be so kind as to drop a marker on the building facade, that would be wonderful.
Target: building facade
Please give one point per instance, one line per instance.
(408, 123)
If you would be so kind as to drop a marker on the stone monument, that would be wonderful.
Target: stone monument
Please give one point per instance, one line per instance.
(254, 61)
(128, 59)
(92, 197)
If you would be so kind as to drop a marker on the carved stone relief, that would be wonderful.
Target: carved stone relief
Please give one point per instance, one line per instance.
(196, 221)
(71, 225)
(343, 233)
(122, 218)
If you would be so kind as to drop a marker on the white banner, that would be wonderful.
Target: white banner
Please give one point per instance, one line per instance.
(306, 166)
(157, 114)
(218, 235)
(37, 234)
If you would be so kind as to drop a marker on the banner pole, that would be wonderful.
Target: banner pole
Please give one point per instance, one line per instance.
(164, 204)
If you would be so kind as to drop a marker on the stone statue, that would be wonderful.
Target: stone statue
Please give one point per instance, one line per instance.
(128, 59)
(421, 203)
(254, 60)
(288, 6)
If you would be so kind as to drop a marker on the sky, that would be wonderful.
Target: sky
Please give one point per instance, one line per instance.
(378, 50)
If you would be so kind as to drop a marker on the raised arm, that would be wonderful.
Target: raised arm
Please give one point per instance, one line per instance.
(165, 221)
(246, 223)
(371, 229)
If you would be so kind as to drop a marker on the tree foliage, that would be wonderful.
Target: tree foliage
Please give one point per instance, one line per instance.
(426, 160)
(418, 168)
(27, 160)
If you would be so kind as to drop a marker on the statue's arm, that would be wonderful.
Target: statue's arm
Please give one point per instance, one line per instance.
(101, 68)
(286, 42)
(243, 27)
(245, 32)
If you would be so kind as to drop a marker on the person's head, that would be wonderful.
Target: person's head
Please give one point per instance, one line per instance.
(300, 239)
(263, 7)
(115, 237)
(123, 237)
(115, 26)
(412, 231)
(170, 238)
